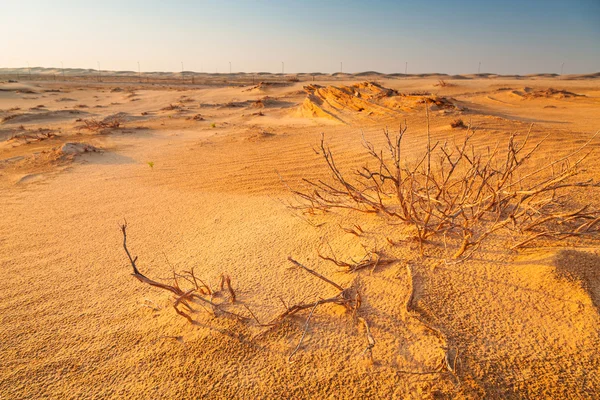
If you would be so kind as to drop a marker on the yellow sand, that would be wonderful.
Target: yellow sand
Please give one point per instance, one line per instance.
(73, 321)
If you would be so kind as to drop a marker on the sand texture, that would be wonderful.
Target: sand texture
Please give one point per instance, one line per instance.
(201, 173)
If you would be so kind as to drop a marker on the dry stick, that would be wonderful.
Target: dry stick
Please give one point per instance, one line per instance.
(196, 280)
(178, 311)
(229, 288)
(357, 304)
(411, 291)
(337, 299)
(355, 232)
(371, 259)
(564, 158)
(304, 332)
(335, 285)
(412, 311)
(415, 313)
(370, 338)
(290, 311)
(253, 316)
(283, 302)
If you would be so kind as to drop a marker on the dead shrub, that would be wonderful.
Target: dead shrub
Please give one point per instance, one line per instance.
(33, 136)
(443, 83)
(460, 195)
(192, 295)
(171, 107)
(458, 123)
(197, 117)
(94, 125)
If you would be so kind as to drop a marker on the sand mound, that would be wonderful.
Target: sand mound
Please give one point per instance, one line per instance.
(26, 136)
(595, 75)
(368, 73)
(42, 116)
(364, 99)
(266, 102)
(17, 88)
(260, 135)
(36, 165)
(550, 93)
(71, 148)
(262, 86)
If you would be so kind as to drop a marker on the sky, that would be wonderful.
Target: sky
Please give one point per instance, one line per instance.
(507, 37)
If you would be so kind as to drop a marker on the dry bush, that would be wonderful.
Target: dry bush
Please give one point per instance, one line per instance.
(458, 123)
(197, 117)
(198, 293)
(36, 136)
(443, 83)
(461, 195)
(112, 122)
(171, 107)
(192, 295)
(235, 104)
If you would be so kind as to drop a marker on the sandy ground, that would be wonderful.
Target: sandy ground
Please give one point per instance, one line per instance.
(197, 173)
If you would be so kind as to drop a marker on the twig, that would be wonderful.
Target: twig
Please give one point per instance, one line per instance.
(335, 285)
(370, 339)
(304, 331)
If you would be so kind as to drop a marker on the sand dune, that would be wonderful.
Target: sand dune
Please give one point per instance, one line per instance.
(367, 99)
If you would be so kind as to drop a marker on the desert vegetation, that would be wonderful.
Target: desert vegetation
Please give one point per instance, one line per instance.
(461, 195)
(453, 196)
(458, 124)
(211, 300)
(110, 122)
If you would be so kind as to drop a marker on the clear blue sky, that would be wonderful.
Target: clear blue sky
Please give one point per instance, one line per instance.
(507, 36)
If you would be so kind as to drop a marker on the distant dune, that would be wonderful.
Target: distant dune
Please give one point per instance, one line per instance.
(82, 72)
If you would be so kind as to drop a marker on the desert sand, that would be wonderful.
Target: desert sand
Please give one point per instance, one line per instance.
(201, 173)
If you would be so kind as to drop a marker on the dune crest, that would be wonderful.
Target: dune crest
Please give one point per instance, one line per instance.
(364, 99)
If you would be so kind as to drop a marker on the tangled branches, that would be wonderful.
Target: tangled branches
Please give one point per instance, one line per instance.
(458, 192)
(112, 122)
(201, 294)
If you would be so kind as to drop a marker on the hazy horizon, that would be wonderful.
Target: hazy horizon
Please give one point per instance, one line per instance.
(508, 38)
(93, 71)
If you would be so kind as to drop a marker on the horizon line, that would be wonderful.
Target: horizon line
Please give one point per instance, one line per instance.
(26, 69)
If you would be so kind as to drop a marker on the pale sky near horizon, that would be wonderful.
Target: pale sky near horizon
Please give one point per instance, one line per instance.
(508, 37)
